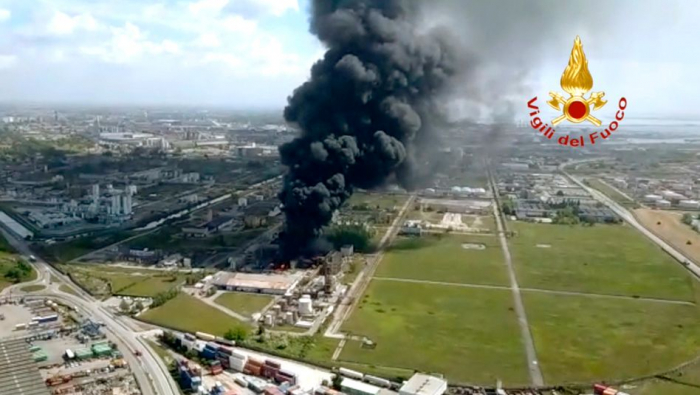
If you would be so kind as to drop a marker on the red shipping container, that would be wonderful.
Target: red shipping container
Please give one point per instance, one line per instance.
(272, 363)
(256, 362)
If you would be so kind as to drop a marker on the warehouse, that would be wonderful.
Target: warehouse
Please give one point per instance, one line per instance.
(18, 372)
(423, 384)
(275, 284)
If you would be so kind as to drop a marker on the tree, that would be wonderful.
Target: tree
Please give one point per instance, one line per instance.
(356, 235)
(336, 382)
(124, 306)
(138, 306)
(687, 218)
(261, 330)
(237, 334)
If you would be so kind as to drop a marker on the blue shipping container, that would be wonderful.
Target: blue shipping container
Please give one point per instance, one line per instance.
(208, 354)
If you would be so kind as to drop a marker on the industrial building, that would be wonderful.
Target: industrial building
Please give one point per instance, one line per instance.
(274, 284)
(423, 384)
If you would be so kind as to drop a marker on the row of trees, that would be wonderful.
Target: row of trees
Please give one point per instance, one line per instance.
(359, 236)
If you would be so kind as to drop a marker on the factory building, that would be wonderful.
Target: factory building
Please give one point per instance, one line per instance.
(423, 384)
(274, 284)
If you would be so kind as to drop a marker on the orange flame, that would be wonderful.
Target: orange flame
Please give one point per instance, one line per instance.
(576, 79)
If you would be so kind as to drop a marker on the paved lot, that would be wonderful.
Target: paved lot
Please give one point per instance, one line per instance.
(14, 314)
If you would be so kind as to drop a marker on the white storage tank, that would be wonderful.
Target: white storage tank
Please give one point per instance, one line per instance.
(694, 204)
(652, 198)
(306, 305)
(350, 373)
(663, 203)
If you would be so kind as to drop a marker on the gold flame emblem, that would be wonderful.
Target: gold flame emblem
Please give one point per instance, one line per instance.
(577, 81)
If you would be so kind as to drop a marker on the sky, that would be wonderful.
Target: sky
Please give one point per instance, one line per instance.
(253, 53)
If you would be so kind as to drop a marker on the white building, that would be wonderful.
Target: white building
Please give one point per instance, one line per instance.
(423, 384)
(692, 204)
(95, 192)
(663, 203)
(651, 198)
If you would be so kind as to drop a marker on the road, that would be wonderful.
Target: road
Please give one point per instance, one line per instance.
(532, 363)
(630, 219)
(150, 371)
(351, 298)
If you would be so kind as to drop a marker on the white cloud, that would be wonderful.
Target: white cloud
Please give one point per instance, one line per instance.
(4, 14)
(209, 40)
(128, 44)
(7, 61)
(237, 23)
(279, 7)
(62, 24)
(212, 7)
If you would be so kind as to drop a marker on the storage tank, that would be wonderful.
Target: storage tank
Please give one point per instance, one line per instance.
(305, 305)
(652, 198)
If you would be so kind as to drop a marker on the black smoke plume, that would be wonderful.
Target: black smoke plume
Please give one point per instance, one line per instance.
(365, 112)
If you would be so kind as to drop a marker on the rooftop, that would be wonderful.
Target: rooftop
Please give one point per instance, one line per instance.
(262, 281)
(423, 384)
(359, 386)
(18, 372)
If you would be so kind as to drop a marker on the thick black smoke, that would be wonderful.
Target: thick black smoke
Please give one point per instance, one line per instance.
(365, 109)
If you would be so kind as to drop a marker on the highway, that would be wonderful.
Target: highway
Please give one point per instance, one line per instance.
(630, 219)
(150, 371)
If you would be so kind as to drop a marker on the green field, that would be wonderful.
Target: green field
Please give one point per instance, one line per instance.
(441, 257)
(470, 335)
(376, 201)
(7, 262)
(611, 193)
(107, 280)
(32, 288)
(584, 338)
(186, 313)
(685, 382)
(67, 251)
(67, 289)
(604, 259)
(243, 303)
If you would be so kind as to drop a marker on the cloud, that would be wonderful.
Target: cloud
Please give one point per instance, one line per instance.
(5, 14)
(258, 8)
(63, 24)
(7, 61)
(207, 7)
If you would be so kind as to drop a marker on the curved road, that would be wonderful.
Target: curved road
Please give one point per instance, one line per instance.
(150, 371)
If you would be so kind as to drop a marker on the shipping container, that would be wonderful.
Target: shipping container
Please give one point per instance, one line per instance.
(241, 381)
(350, 373)
(208, 354)
(378, 381)
(272, 363)
(238, 354)
(610, 391)
(281, 378)
(189, 337)
(254, 361)
(221, 340)
(205, 336)
(236, 364)
(269, 371)
(225, 351)
(213, 346)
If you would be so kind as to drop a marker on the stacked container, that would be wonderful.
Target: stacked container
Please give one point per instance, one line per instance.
(237, 361)
(270, 369)
(253, 367)
(285, 376)
(215, 368)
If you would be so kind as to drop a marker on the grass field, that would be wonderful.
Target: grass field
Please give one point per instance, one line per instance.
(244, 303)
(67, 289)
(106, 280)
(671, 229)
(32, 288)
(685, 382)
(470, 335)
(186, 313)
(441, 257)
(7, 262)
(611, 193)
(582, 338)
(376, 200)
(605, 259)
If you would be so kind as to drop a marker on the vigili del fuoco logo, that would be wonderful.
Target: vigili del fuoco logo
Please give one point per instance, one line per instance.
(577, 82)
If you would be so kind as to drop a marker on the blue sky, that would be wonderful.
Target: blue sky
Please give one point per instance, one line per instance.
(253, 53)
(237, 53)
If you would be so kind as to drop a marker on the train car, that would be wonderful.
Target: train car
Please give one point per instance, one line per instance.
(205, 336)
(225, 342)
(377, 381)
(350, 373)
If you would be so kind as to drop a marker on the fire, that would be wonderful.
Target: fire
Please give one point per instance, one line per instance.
(576, 79)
